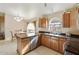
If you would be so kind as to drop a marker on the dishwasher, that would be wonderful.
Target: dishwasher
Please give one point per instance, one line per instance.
(34, 41)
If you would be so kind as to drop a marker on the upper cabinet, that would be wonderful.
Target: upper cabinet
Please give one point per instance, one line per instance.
(66, 19)
(70, 18)
(43, 22)
(74, 13)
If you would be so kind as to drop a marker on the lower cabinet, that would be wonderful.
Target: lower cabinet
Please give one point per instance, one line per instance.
(61, 45)
(23, 45)
(45, 40)
(57, 44)
(54, 43)
(26, 44)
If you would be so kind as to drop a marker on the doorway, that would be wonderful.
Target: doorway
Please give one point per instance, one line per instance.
(2, 27)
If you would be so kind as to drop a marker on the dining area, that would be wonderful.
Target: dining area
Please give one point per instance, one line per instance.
(26, 39)
(15, 32)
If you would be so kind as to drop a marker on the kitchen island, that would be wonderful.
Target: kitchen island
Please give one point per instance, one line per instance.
(26, 43)
(53, 41)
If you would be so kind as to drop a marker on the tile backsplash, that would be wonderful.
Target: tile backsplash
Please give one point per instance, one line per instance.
(65, 30)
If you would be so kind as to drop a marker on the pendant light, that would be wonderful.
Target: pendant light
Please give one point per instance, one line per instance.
(18, 18)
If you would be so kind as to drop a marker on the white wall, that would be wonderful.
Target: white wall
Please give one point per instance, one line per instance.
(12, 25)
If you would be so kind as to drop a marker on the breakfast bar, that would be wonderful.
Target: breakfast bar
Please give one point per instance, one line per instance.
(24, 43)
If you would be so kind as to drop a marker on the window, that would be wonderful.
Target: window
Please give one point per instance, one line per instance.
(55, 25)
(30, 29)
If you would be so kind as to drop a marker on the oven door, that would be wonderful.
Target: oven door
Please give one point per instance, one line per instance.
(73, 47)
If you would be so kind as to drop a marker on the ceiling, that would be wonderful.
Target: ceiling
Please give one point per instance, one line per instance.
(31, 10)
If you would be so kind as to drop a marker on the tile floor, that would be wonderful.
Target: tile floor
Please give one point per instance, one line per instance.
(9, 48)
(43, 51)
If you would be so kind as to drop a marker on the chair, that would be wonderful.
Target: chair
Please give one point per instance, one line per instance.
(2, 36)
(12, 35)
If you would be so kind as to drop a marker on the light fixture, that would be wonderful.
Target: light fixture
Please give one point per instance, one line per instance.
(18, 18)
(45, 4)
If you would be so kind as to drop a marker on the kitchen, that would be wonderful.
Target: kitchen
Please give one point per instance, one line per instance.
(53, 30)
(52, 33)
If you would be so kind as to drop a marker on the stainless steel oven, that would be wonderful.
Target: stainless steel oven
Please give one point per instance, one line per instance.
(73, 45)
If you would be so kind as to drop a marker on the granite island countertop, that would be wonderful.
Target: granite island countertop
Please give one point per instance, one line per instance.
(23, 35)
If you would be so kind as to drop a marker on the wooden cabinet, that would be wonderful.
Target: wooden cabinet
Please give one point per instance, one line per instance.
(26, 43)
(51, 43)
(54, 43)
(70, 18)
(23, 45)
(57, 44)
(45, 40)
(73, 21)
(66, 20)
(61, 45)
(43, 22)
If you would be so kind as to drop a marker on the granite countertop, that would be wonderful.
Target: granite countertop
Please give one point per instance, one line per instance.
(60, 35)
(23, 35)
(57, 35)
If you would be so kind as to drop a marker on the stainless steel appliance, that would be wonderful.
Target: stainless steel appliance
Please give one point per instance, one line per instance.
(73, 45)
(34, 41)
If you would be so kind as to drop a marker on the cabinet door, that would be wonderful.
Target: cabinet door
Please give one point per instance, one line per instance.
(61, 45)
(25, 45)
(45, 41)
(54, 43)
(51, 43)
(43, 22)
(66, 20)
(73, 17)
